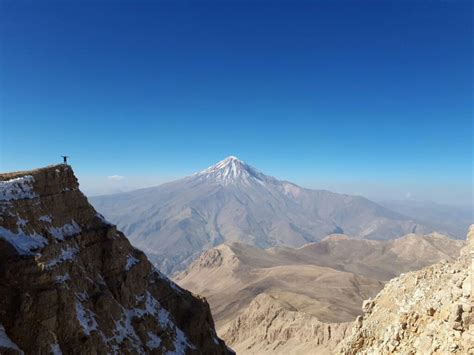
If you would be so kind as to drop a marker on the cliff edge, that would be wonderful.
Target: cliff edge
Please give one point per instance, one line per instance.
(70, 282)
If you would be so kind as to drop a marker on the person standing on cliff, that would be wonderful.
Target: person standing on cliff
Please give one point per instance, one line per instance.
(65, 159)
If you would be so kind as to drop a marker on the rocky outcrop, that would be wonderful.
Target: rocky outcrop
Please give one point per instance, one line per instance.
(70, 282)
(271, 326)
(424, 312)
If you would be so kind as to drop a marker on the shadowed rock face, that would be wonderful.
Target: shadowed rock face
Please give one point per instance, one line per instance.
(233, 202)
(71, 282)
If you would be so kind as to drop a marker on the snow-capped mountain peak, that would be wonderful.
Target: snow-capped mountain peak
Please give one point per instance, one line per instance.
(232, 201)
(231, 171)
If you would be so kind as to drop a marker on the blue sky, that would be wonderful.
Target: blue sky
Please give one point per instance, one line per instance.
(369, 97)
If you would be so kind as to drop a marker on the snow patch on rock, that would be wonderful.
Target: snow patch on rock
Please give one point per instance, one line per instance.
(67, 230)
(86, 319)
(6, 342)
(82, 296)
(124, 330)
(56, 350)
(154, 342)
(124, 327)
(65, 255)
(45, 218)
(62, 279)
(17, 189)
(23, 243)
(131, 261)
(21, 222)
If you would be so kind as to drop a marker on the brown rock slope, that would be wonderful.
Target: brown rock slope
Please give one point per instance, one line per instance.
(381, 260)
(271, 326)
(230, 285)
(429, 311)
(320, 282)
(71, 283)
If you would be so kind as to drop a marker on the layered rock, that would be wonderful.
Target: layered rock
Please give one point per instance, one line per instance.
(272, 326)
(424, 312)
(71, 282)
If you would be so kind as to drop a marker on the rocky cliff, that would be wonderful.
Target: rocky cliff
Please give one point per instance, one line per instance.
(71, 283)
(429, 311)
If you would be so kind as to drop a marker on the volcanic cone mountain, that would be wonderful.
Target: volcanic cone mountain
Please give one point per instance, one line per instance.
(233, 202)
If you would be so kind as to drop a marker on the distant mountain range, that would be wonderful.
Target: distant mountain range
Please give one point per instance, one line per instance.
(451, 220)
(233, 202)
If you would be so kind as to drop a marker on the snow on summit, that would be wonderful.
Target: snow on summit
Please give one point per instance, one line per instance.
(232, 170)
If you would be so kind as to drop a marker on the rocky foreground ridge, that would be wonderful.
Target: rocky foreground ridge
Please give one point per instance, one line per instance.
(424, 312)
(304, 301)
(273, 326)
(71, 283)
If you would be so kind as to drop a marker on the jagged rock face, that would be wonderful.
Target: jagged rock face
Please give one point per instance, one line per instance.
(424, 312)
(70, 282)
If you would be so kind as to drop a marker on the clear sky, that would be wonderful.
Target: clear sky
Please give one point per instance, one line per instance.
(368, 97)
